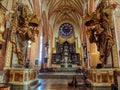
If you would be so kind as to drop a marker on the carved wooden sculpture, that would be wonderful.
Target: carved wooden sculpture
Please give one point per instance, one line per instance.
(23, 28)
(100, 30)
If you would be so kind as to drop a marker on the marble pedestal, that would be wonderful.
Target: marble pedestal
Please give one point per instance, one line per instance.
(22, 78)
(101, 79)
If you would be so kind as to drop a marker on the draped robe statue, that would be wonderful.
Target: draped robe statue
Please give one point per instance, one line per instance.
(100, 29)
(23, 28)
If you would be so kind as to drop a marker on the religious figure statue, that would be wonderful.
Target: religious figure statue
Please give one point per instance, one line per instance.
(100, 29)
(23, 28)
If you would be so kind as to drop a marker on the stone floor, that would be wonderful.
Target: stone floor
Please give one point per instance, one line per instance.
(54, 81)
(57, 84)
(60, 75)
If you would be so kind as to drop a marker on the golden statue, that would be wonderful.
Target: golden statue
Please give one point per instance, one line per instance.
(100, 28)
(23, 28)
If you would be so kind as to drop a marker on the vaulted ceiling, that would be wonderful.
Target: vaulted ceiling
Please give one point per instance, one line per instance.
(69, 10)
(56, 11)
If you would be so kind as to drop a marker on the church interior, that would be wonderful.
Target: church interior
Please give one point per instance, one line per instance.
(59, 44)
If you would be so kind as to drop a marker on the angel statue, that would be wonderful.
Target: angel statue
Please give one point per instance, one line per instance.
(23, 28)
(100, 29)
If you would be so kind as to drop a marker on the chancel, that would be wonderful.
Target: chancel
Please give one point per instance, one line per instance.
(59, 44)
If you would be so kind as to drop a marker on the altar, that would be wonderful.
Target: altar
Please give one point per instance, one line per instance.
(66, 55)
(66, 65)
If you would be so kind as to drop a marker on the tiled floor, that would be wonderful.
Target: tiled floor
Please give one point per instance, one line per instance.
(57, 84)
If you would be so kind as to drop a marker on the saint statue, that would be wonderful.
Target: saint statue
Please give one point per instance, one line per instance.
(100, 29)
(23, 28)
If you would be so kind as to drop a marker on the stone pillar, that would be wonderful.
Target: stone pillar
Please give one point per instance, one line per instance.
(90, 8)
(115, 50)
(50, 45)
(46, 55)
(92, 5)
(35, 45)
(8, 55)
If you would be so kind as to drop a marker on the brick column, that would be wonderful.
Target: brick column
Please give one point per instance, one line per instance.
(115, 49)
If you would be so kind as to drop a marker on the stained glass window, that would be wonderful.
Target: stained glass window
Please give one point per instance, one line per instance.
(66, 29)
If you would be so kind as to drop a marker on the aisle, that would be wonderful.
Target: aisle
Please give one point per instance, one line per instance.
(57, 84)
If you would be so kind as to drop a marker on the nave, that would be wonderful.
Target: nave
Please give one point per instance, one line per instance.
(61, 81)
(56, 81)
(57, 84)
(58, 35)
